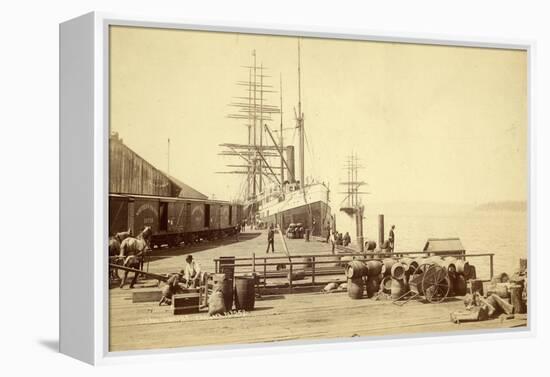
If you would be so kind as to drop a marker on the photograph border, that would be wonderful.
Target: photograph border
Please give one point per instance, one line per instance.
(102, 22)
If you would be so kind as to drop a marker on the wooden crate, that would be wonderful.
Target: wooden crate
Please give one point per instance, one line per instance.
(186, 303)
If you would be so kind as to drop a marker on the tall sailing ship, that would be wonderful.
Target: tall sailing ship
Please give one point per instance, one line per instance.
(274, 193)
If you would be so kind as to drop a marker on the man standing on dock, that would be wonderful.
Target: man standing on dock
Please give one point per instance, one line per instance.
(270, 239)
(391, 238)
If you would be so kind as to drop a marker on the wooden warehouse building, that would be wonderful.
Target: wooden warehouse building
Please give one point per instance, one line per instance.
(130, 174)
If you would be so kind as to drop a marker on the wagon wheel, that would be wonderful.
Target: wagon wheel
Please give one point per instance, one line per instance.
(436, 283)
(421, 268)
(415, 278)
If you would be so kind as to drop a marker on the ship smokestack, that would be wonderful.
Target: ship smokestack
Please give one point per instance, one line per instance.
(290, 163)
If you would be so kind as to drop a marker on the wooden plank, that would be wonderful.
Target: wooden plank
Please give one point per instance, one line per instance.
(146, 295)
(279, 317)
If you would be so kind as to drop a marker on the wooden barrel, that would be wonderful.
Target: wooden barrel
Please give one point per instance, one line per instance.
(370, 245)
(374, 267)
(410, 264)
(476, 286)
(472, 274)
(356, 269)
(436, 259)
(398, 271)
(397, 288)
(345, 259)
(450, 264)
(387, 264)
(385, 284)
(516, 300)
(225, 286)
(462, 267)
(452, 279)
(459, 285)
(355, 288)
(245, 294)
(373, 285)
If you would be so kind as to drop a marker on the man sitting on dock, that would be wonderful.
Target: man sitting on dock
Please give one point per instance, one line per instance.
(192, 272)
(270, 239)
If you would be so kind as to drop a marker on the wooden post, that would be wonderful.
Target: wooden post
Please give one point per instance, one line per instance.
(254, 262)
(290, 277)
(265, 273)
(313, 270)
(359, 219)
(380, 230)
(491, 266)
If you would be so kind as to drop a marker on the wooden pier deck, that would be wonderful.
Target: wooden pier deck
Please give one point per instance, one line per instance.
(278, 317)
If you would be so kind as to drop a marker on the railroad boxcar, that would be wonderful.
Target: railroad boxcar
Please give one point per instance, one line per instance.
(173, 220)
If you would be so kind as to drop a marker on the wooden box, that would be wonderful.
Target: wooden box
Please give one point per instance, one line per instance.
(186, 303)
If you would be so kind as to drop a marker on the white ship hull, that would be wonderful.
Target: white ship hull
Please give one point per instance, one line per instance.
(308, 205)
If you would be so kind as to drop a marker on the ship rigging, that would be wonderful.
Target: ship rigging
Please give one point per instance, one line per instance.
(273, 191)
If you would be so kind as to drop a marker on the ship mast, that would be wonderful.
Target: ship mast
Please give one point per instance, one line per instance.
(354, 205)
(300, 120)
(281, 148)
(255, 110)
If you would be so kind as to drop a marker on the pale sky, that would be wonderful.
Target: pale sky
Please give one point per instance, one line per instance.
(430, 123)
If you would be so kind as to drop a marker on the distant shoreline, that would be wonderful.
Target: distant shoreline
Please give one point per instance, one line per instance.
(515, 206)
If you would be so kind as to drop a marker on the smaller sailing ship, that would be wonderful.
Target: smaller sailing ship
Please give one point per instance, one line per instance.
(352, 204)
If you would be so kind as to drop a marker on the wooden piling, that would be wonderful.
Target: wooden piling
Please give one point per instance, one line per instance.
(359, 221)
(380, 230)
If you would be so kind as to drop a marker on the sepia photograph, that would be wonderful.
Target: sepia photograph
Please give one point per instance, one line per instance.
(274, 189)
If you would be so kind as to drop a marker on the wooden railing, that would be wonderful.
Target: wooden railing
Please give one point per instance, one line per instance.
(259, 265)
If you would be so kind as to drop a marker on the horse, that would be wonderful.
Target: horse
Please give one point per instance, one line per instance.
(114, 247)
(114, 250)
(133, 250)
(121, 236)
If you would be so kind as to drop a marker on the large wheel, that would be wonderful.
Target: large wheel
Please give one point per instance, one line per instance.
(416, 277)
(436, 283)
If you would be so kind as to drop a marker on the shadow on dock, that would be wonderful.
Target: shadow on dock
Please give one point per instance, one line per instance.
(159, 254)
(271, 297)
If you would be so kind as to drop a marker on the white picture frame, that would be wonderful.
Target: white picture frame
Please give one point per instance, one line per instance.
(84, 141)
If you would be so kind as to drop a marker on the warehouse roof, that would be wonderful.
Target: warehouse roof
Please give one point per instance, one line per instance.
(186, 190)
(130, 173)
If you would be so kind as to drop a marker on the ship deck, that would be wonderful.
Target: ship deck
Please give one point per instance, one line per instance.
(277, 316)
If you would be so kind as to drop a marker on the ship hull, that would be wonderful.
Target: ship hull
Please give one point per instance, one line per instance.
(320, 211)
(308, 206)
